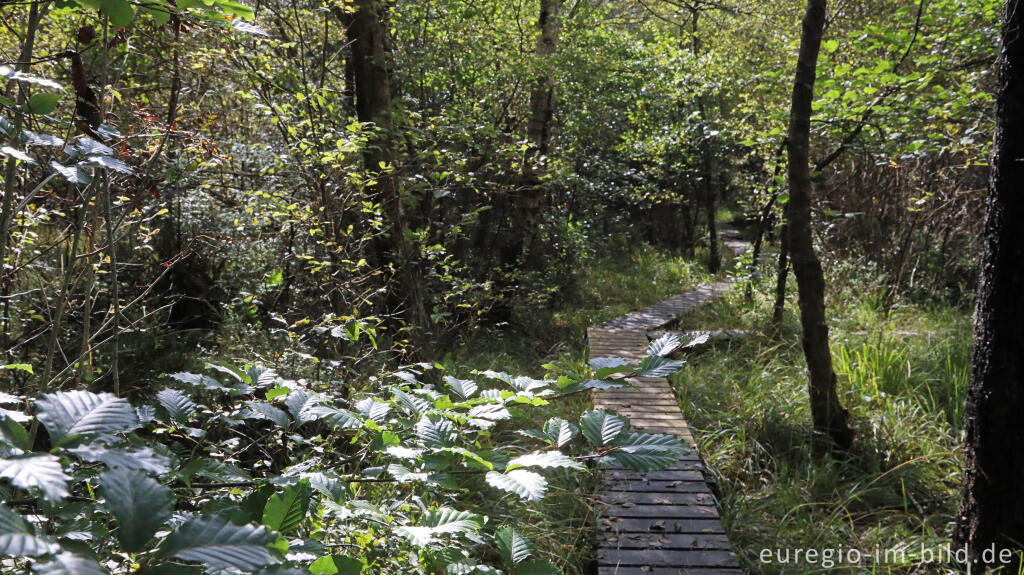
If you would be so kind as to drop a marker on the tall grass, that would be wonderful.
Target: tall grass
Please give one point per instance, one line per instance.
(901, 373)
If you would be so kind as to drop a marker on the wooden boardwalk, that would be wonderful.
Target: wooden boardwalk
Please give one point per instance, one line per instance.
(660, 522)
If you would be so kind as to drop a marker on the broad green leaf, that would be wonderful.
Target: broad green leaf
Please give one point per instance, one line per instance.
(463, 388)
(43, 472)
(120, 12)
(602, 428)
(12, 74)
(537, 567)
(664, 345)
(233, 8)
(439, 522)
(490, 412)
(548, 459)
(372, 409)
(74, 174)
(514, 548)
(160, 16)
(138, 503)
(177, 403)
(170, 569)
(655, 366)
(336, 565)
(19, 539)
(268, 411)
(435, 431)
(526, 484)
(137, 457)
(217, 542)
(608, 362)
(17, 154)
(67, 563)
(286, 510)
(560, 431)
(84, 413)
(646, 451)
(42, 103)
(336, 417)
(199, 380)
(13, 433)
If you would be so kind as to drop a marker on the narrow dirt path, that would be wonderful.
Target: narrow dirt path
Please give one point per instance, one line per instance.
(660, 522)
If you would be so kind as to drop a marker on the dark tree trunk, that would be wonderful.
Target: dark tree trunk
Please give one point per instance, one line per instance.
(706, 156)
(830, 419)
(781, 278)
(368, 32)
(531, 197)
(992, 503)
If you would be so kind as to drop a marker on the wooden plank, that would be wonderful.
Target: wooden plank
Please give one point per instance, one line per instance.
(664, 541)
(659, 486)
(656, 498)
(667, 475)
(666, 557)
(612, 570)
(658, 511)
(642, 525)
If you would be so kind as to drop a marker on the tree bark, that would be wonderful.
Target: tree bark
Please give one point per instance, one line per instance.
(830, 419)
(530, 201)
(368, 32)
(992, 494)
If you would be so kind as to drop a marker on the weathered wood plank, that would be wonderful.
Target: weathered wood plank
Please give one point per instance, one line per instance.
(658, 511)
(667, 557)
(666, 475)
(612, 570)
(642, 525)
(655, 498)
(659, 486)
(651, 540)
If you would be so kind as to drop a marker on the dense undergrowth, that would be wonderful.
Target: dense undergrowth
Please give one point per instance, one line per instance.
(902, 373)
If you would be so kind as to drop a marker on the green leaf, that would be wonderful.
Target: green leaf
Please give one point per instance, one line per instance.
(830, 46)
(285, 511)
(537, 567)
(74, 174)
(339, 418)
(463, 388)
(42, 472)
(438, 522)
(233, 8)
(602, 428)
(654, 366)
(19, 539)
(160, 16)
(267, 411)
(647, 452)
(336, 565)
(372, 409)
(120, 12)
(42, 103)
(67, 563)
(170, 569)
(12, 74)
(138, 503)
(561, 431)
(435, 431)
(13, 432)
(199, 380)
(84, 413)
(177, 403)
(547, 459)
(526, 484)
(664, 345)
(514, 548)
(217, 542)
(17, 154)
(136, 458)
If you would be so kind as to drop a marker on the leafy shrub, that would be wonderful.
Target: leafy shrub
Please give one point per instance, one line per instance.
(246, 471)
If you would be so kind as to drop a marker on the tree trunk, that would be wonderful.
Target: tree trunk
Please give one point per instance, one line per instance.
(992, 504)
(530, 200)
(782, 277)
(830, 419)
(368, 32)
(706, 155)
